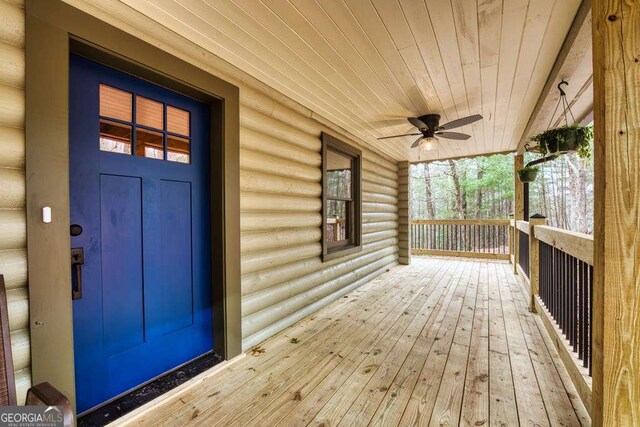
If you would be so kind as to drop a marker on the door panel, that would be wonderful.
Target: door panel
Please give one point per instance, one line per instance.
(121, 232)
(140, 191)
(175, 232)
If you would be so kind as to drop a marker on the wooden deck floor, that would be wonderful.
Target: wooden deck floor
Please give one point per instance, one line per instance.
(441, 342)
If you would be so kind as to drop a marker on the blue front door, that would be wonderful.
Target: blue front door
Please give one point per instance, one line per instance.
(140, 215)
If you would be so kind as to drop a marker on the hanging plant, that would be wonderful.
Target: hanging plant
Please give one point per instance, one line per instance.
(528, 173)
(566, 138)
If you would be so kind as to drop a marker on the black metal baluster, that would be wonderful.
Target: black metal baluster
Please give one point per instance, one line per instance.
(572, 301)
(582, 301)
(590, 327)
(543, 287)
(553, 282)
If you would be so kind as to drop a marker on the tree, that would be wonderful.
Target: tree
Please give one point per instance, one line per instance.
(479, 174)
(484, 188)
(563, 192)
(431, 210)
(458, 200)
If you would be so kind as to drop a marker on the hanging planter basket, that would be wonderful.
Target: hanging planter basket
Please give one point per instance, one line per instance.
(563, 140)
(528, 174)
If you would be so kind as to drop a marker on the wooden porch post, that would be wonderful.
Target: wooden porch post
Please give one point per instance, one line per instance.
(518, 208)
(534, 258)
(511, 239)
(616, 292)
(404, 213)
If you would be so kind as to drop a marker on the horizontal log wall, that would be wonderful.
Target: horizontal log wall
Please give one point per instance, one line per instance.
(13, 255)
(404, 213)
(284, 278)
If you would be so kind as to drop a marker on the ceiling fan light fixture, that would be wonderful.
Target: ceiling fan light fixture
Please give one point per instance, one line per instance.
(428, 144)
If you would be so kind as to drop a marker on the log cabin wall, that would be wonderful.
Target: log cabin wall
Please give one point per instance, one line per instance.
(13, 254)
(404, 213)
(283, 276)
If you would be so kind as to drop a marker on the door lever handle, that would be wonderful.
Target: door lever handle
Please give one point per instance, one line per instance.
(77, 261)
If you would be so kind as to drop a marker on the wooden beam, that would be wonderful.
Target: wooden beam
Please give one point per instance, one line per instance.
(616, 293)
(534, 259)
(512, 226)
(464, 157)
(578, 245)
(404, 213)
(461, 254)
(460, 221)
(570, 65)
(518, 163)
(523, 226)
(518, 206)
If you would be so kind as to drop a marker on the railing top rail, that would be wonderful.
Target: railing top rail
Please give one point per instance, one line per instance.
(523, 226)
(578, 245)
(460, 221)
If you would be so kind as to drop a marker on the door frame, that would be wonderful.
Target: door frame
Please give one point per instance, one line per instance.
(53, 31)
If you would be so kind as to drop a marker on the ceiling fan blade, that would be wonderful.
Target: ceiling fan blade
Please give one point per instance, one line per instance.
(417, 142)
(454, 135)
(397, 136)
(417, 123)
(461, 122)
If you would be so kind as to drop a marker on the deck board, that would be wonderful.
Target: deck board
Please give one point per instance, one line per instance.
(445, 341)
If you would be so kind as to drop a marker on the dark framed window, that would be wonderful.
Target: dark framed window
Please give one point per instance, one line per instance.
(341, 198)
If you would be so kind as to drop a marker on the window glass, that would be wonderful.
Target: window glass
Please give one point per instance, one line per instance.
(149, 144)
(149, 113)
(337, 220)
(178, 121)
(338, 177)
(115, 137)
(115, 103)
(158, 128)
(178, 149)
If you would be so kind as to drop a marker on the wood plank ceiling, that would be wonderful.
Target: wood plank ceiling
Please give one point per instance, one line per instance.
(368, 64)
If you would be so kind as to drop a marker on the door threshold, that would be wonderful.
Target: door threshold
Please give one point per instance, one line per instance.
(133, 399)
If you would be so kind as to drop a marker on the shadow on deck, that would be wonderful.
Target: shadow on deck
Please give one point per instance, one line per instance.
(444, 341)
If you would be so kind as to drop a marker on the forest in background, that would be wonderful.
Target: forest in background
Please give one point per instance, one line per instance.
(482, 188)
(563, 192)
(478, 188)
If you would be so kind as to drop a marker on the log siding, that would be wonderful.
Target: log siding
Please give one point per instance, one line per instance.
(283, 276)
(13, 239)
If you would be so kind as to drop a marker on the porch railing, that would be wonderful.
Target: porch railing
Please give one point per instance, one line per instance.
(557, 266)
(464, 237)
(566, 287)
(523, 246)
(336, 229)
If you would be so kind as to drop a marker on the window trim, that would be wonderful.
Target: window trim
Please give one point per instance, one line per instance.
(354, 244)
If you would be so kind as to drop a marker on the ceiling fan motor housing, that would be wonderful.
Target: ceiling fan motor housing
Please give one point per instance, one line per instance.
(431, 120)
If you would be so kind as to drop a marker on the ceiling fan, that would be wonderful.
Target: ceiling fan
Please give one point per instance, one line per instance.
(430, 128)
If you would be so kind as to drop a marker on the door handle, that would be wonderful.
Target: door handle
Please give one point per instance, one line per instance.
(77, 261)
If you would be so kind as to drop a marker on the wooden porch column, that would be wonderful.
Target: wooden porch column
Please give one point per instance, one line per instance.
(534, 259)
(511, 239)
(518, 208)
(404, 213)
(616, 292)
